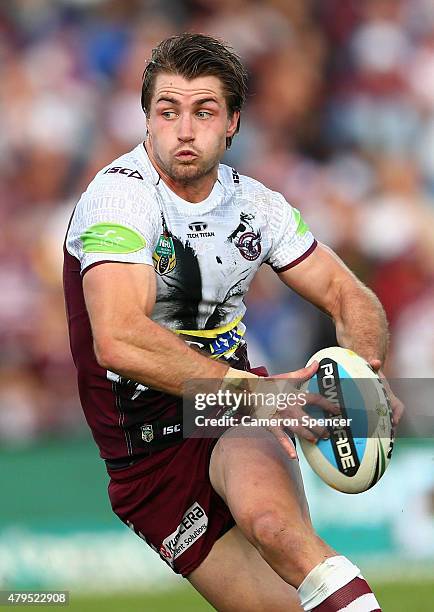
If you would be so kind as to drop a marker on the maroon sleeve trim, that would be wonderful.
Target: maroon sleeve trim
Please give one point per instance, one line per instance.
(104, 261)
(299, 259)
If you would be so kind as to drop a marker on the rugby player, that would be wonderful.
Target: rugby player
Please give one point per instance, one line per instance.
(159, 252)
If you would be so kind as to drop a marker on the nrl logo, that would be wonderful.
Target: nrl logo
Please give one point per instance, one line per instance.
(164, 255)
(147, 432)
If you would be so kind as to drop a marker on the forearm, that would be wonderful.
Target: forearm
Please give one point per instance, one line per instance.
(156, 357)
(360, 320)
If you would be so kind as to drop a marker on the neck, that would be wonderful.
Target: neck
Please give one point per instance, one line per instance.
(193, 191)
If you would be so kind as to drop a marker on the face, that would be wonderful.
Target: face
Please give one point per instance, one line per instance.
(188, 124)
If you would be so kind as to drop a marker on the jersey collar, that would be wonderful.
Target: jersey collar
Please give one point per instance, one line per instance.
(155, 177)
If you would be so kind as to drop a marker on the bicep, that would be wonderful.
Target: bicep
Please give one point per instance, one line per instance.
(319, 278)
(115, 294)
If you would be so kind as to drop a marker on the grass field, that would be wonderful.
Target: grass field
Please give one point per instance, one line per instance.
(393, 597)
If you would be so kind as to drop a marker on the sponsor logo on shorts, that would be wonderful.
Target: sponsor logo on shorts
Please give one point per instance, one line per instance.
(193, 525)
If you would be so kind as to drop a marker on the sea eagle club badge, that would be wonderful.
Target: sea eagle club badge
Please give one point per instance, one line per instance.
(164, 256)
(247, 242)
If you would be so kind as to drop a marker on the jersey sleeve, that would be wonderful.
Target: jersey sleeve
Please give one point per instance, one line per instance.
(292, 241)
(114, 222)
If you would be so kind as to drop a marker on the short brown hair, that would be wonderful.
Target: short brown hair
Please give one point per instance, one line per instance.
(194, 55)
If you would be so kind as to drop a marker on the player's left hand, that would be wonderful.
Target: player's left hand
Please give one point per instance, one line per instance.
(395, 403)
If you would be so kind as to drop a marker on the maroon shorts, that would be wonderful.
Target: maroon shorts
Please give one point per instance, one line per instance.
(168, 500)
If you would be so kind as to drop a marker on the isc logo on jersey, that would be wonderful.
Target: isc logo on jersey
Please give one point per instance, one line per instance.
(171, 429)
(193, 525)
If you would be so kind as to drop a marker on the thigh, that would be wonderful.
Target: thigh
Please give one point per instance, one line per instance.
(235, 578)
(173, 506)
(252, 474)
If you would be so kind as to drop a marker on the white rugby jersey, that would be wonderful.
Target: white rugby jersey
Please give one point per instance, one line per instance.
(205, 255)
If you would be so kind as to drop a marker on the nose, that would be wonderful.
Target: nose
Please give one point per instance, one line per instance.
(185, 128)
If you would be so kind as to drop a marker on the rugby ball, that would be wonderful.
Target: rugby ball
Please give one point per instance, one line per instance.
(360, 446)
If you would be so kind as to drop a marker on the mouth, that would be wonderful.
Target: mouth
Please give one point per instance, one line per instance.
(186, 155)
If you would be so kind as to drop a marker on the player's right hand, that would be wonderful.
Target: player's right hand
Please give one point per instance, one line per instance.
(296, 410)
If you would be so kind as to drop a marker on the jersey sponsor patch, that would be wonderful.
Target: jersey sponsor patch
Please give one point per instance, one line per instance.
(111, 238)
(227, 343)
(193, 525)
(302, 226)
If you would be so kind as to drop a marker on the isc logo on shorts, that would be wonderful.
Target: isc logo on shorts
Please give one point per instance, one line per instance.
(193, 525)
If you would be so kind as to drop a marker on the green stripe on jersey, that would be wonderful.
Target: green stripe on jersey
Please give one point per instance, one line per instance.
(111, 238)
(302, 226)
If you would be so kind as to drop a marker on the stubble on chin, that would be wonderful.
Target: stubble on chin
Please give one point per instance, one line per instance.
(185, 173)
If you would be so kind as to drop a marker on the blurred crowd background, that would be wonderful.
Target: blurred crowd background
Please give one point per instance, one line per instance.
(340, 119)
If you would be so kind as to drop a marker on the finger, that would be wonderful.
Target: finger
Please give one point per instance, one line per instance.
(284, 441)
(309, 423)
(375, 364)
(303, 374)
(397, 411)
(395, 403)
(305, 433)
(316, 399)
(322, 433)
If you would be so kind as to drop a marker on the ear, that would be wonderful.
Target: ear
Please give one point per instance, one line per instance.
(232, 124)
(148, 135)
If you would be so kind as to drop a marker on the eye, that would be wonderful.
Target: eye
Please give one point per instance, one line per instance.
(202, 114)
(168, 114)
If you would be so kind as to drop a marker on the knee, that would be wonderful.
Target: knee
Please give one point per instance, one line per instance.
(277, 535)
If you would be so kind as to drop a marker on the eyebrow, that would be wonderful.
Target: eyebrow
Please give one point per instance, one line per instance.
(167, 99)
(197, 103)
(205, 100)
